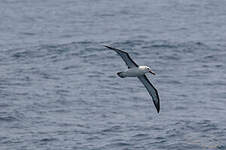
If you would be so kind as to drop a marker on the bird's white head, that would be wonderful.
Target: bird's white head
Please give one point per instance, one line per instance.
(147, 69)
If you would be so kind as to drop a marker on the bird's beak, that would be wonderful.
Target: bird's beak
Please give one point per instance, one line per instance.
(151, 72)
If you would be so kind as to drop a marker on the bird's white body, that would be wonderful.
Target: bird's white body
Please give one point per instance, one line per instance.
(135, 72)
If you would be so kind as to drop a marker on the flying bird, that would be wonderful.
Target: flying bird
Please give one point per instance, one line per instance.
(138, 71)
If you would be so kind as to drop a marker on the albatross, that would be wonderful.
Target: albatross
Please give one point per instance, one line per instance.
(138, 71)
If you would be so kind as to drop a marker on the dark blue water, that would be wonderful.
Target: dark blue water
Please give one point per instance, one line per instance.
(59, 88)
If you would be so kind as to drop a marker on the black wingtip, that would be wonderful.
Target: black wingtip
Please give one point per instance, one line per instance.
(108, 46)
(157, 106)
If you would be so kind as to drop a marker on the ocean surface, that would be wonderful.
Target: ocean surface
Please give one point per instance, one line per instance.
(58, 84)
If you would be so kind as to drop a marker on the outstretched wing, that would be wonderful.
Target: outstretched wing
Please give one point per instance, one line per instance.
(125, 56)
(151, 90)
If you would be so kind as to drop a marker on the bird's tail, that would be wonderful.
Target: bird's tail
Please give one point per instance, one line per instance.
(121, 75)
